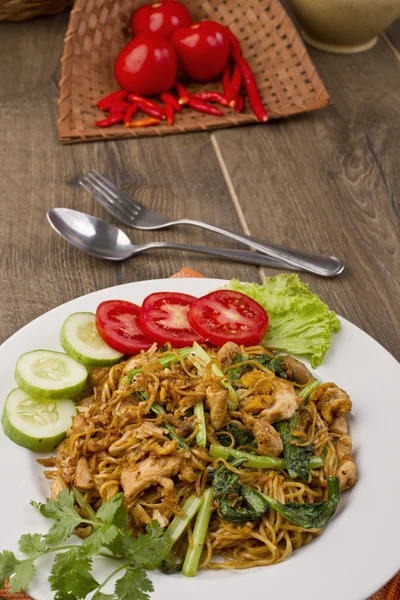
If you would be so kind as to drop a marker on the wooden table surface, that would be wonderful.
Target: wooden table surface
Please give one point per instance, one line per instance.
(327, 182)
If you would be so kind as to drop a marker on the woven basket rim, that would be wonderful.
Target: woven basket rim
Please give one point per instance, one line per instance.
(288, 80)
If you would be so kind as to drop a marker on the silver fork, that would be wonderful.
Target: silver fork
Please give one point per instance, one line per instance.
(136, 215)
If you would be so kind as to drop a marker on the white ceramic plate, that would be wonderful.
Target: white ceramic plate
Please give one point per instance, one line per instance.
(359, 550)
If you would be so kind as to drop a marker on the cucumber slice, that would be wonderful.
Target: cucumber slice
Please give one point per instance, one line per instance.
(49, 374)
(80, 339)
(37, 424)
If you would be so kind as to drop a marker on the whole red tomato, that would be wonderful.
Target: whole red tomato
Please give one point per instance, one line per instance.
(147, 65)
(162, 17)
(203, 49)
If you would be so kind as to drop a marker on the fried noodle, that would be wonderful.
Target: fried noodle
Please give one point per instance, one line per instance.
(117, 443)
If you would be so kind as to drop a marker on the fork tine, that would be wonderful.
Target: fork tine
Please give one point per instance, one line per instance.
(117, 212)
(113, 198)
(116, 196)
(111, 186)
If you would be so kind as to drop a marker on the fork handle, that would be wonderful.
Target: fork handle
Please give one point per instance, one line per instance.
(319, 264)
(245, 256)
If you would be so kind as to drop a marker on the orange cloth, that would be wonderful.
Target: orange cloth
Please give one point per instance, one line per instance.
(185, 272)
(391, 591)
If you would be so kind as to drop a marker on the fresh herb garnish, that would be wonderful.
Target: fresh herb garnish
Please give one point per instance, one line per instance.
(71, 575)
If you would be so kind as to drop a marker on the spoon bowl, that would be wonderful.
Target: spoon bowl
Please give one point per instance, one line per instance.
(91, 235)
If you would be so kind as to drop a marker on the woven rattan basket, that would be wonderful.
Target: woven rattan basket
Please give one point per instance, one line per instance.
(98, 29)
(23, 10)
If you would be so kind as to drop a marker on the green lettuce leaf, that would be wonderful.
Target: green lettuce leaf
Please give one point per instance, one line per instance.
(299, 321)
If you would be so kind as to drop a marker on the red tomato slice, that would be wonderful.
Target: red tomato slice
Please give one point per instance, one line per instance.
(164, 318)
(225, 315)
(117, 322)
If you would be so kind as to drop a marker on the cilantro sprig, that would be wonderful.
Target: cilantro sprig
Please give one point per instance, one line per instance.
(71, 574)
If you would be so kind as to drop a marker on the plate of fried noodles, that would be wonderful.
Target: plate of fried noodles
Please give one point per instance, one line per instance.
(289, 475)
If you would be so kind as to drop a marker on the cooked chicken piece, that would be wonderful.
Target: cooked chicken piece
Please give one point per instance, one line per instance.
(182, 427)
(132, 436)
(256, 404)
(151, 471)
(331, 401)
(269, 441)
(295, 370)
(259, 381)
(101, 419)
(343, 448)
(347, 475)
(280, 404)
(57, 486)
(157, 516)
(96, 375)
(149, 429)
(216, 402)
(80, 424)
(186, 472)
(100, 444)
(83, 475)
(226, 354)
(47, 462)
(339, 425)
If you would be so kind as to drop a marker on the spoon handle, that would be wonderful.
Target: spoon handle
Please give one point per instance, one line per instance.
(245, 256)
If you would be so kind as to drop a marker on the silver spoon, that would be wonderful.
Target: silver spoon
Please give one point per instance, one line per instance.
(104, 240)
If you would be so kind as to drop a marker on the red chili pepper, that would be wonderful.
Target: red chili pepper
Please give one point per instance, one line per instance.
(147, 106)
(235, 85)
(119, 107)
(142, 100)
(170, 99)
(120, 95)
(106, 106)
(153, 111)
(111, 120)
(170, 112)
(212, 97)
(183, 93)
(253, 93)
(239, 104)
(236, 50)
(130, 113)
(203, 107)
(226, 79)
(143, 123)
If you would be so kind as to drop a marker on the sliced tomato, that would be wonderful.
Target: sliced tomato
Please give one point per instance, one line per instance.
(164, 318)
(225, 315)
(117, 322)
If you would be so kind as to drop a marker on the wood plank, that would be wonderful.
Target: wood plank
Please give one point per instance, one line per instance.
(38, 270)
(324, 182)
(179, 176)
